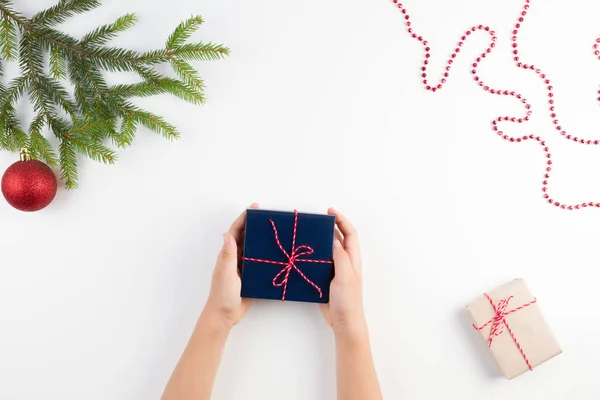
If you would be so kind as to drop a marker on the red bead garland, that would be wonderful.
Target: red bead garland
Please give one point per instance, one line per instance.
(526, 104)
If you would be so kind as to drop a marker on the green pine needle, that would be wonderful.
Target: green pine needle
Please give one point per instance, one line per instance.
(201, 51)
(154, 123)
(8, 39)
(68, 164)
(182, 90)
(184, 31)
(103, 34)
(93, 149)
(63, 10)
(126, 135)
(39, 146)
(96, 112)
(57, 94)
(18, 138)
(188, 74)
(58, 67)
(141, 89)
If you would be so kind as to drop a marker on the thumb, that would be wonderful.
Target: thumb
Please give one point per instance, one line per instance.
(341, 260)
(228, 254)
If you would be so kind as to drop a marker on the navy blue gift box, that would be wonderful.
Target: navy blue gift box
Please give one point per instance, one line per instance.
(287, 256)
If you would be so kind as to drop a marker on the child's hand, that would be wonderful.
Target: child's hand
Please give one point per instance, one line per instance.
(345, 310)
(224, 302)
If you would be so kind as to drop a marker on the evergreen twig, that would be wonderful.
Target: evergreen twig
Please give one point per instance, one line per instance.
(97, 111)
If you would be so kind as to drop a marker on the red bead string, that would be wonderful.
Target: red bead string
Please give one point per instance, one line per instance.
(499, 92)
(293, 257)
(498, 323)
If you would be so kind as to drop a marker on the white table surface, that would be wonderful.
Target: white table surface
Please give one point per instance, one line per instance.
(320, 104)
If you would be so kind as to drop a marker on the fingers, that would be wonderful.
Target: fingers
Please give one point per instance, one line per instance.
(237, 228)
(350, 236)
(341, 261)
(338, 235)
(228, 255)
(351, 244)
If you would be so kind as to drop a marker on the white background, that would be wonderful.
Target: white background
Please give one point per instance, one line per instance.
(320, 104)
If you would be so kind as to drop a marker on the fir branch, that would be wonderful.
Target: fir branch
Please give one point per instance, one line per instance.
(85, 91)
(40, 91)
(93, 148)
(40, 100)
(37, 124)
(8, 39)
(39, 146)
(58, 67)
(87, 137)
(111, 59)
(182, 90)
(17, 139)
(114, 59)
(92, 127)
(64, 9)
(141, 89)
(7, 11)
(31, 59)
(189, 51)
(57, 94)
(12, 136)
(148, 73)
(5, 136)
(16, 89)
(96, 109)
(153, 122)
(49, 38)
(127, 133)
(11, 133)
(200, 51)
(153, 57)
(10, 95)
(187, 73)
(68, 164)
(103, 34)
(93, 77)
(183, 32)
(59, 126)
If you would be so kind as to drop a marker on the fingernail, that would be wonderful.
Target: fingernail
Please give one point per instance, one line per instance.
(337, 243)
(226, 238)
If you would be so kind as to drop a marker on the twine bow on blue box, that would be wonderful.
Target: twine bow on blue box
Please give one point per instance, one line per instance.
(287, 256)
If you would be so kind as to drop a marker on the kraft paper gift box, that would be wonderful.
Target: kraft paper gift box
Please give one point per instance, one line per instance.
(510, 321)
(287, 256)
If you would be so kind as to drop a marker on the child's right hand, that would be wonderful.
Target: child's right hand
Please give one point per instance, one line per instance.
(344, 312)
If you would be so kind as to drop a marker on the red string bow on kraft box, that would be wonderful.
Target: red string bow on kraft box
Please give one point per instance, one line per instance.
(287, 256)
(512, 324)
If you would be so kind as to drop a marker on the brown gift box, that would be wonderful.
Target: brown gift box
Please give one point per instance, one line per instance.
(514, 314)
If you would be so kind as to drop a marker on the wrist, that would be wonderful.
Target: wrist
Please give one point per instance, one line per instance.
(351, 328)
(214, 322)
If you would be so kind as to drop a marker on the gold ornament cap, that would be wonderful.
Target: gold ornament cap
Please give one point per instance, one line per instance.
(25, 155)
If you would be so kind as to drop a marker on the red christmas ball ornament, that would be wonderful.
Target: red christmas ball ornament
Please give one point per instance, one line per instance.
(29, 185)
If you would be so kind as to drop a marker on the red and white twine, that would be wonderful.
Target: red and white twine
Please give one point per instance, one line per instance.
(496, 122)
(498, 323)
(292, 258)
